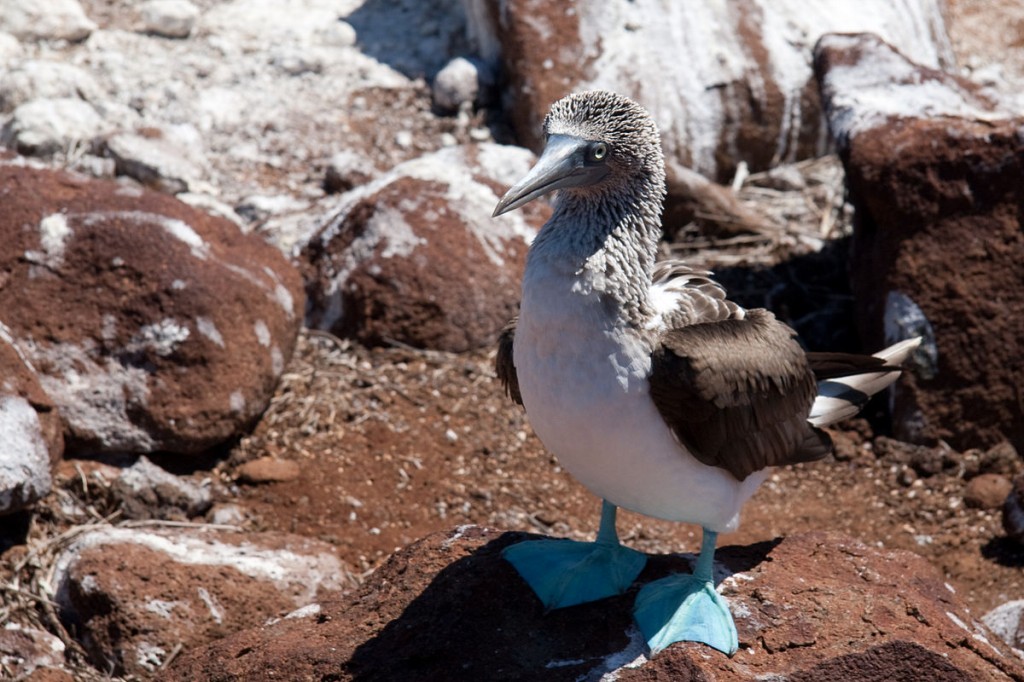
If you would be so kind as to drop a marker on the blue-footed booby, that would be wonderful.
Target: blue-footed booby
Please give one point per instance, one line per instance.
(652, 388)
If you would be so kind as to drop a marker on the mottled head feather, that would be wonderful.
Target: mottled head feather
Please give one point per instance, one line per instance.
(621, 123)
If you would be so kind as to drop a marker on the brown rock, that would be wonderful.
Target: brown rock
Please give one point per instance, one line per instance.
(936, 174)
(269, 470)
(133, 596)
(25, 650)
(809, 607)
(726, 82)
(165, 328)
(987, 491)
(415, 256)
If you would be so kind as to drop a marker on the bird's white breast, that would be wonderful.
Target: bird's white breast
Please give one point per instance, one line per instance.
(583, 378)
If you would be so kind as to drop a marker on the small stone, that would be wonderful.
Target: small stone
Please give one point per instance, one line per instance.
(268, 470)
(169, 18)
(45, 20)
(459, 84)
(44, 127)
(987, 491)
(259, 207)
(226, 514)
(1001, 458)
(403, 138)
(148, 491)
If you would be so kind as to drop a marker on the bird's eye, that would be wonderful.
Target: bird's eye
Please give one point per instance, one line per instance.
(598, 151)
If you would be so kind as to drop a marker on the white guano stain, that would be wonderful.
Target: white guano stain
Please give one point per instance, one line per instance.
(208, 328)
(161, 337)
(300, 575)
(54, 233)
(94, 393)
(211, 603)
(262, 333)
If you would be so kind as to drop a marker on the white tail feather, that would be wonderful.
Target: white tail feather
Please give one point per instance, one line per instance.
(844, 397)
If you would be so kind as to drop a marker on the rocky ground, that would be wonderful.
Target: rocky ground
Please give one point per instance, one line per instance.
(268, 119)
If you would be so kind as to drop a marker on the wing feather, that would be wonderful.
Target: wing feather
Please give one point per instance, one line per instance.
(737, 392)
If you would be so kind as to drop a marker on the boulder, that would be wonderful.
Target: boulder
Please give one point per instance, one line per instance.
(164, 329)
(134, 596)
(416, 257)
(726, 82)
(935, 171)
(816, 606)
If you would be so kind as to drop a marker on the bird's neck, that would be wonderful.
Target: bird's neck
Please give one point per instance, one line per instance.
(608, 247)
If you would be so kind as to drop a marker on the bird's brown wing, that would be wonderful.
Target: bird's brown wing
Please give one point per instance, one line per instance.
(503, 363)
(737, 392)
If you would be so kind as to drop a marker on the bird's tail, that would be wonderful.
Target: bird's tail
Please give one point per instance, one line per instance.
(846, 382)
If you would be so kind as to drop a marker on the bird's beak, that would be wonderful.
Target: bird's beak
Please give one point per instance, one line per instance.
(562, 164)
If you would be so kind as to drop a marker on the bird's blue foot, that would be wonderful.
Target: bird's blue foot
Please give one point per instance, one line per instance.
(684, 608)
(565, 572)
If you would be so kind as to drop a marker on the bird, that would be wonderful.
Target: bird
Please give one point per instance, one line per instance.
(651, 387)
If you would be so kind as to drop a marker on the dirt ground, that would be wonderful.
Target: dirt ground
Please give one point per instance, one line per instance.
(396, 443)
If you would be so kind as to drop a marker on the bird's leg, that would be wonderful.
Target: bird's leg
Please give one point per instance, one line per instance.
(565, 572)
(686, 608)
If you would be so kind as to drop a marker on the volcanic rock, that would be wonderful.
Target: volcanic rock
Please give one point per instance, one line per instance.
(164, 329)
(726, 82)
(808, 607)
(134, 595)
(416, 257)
(31, 438)
(146, 491)
(936, 174)
(24, 650)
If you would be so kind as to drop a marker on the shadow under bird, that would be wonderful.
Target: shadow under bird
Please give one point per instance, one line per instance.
(652, 388)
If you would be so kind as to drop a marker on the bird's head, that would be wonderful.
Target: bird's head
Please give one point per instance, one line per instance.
(598, 143)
